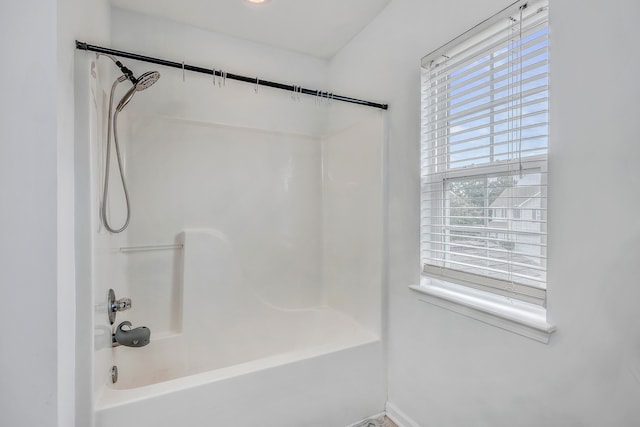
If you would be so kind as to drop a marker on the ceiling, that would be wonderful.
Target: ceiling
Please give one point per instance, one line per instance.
(315, 27)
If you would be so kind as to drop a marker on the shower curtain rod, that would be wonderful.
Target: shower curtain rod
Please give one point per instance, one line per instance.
(220, 73)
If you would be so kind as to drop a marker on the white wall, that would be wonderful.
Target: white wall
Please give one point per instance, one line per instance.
(28, 173)
(448, 370)
(196, 99)
(37, 198)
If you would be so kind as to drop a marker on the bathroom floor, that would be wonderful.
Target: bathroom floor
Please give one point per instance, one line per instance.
(386, 422)
(378, 422)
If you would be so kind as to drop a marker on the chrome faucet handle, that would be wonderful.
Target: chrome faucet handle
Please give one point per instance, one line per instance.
(114, 305)
(121, 305)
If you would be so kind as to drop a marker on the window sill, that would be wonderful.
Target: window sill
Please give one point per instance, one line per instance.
(522, 318)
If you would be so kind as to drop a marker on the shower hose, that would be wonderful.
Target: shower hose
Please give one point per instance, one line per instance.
(113, 119)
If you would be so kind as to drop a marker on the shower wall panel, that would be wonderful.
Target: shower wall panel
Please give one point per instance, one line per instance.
(353, 216)
(260, 189)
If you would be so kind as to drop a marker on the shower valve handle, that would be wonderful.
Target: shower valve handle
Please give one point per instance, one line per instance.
(115, 305)
(121, 305)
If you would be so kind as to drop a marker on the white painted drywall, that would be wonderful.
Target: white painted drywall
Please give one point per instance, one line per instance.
(37, 192)
(197, 99)
(448, 370)
(28, 194)
(305, 26)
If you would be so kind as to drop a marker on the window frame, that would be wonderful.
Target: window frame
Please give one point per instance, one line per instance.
(517, 307)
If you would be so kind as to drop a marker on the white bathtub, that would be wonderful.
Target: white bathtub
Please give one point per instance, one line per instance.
(240, 361)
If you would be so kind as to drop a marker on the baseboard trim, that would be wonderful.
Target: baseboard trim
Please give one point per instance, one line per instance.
(399, 417)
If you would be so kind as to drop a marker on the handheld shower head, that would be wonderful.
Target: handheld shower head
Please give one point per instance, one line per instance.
(147, 79)
(143, 82)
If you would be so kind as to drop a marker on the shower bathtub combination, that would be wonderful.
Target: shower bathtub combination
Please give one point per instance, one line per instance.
(252, 251)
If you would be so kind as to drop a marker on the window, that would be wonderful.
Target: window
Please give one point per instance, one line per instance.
(484, 156)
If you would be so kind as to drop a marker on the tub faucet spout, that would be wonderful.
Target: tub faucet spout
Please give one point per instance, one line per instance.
(132, 337)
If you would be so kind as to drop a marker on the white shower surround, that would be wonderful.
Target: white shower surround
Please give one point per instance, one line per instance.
(288, 206)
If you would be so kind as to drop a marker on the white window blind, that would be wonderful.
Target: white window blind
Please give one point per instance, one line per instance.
(484, 156)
